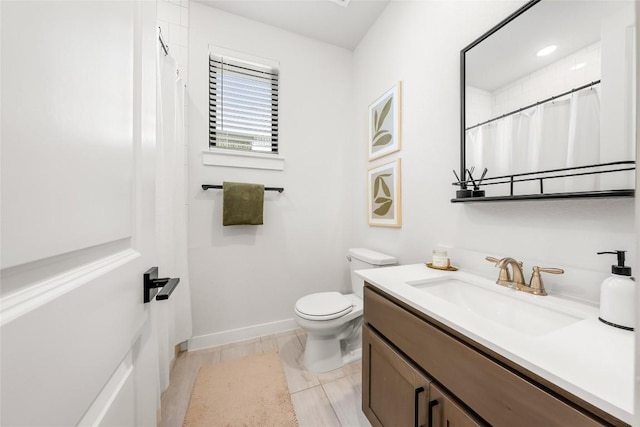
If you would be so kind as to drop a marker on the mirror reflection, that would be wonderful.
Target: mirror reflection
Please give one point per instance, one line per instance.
(554, 88)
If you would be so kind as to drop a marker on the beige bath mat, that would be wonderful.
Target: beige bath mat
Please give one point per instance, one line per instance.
(251, 391)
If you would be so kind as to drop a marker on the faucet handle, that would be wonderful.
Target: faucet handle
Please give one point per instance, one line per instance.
(550, 270)
(537, 287)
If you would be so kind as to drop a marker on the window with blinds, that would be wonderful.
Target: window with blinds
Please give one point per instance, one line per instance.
(243, 105)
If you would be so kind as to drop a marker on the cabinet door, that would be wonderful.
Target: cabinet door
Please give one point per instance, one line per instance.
(394, 393)
(444, 412)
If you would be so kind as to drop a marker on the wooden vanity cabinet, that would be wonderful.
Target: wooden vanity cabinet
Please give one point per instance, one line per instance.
(395, 393)
(410, 360)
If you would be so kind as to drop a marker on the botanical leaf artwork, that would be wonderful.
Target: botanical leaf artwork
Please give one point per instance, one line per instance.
(382, 197)
(382, 135)
(384, 123)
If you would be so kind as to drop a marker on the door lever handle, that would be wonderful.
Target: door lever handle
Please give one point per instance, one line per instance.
(167, 289)
(151, 283)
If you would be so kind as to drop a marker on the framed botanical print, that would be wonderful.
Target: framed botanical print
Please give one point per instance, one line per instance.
(384, 195)
(384, 123)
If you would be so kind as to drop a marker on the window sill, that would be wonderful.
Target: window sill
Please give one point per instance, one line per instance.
(239, 159)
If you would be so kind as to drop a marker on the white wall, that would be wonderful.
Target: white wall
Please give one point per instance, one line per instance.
(420, 43)
(242, 276)
(478, 105)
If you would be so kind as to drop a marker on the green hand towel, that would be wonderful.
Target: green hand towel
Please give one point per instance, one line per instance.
(242, 204)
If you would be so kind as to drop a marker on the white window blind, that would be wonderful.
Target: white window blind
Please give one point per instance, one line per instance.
(243, 105)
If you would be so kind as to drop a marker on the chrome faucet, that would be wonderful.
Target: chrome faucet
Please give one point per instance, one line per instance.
(536, 287)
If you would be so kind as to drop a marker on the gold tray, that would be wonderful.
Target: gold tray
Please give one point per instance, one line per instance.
(450, 268)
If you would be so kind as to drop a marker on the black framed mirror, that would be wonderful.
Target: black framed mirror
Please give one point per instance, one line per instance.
(548, 104)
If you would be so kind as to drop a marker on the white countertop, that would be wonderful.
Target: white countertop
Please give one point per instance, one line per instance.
(587, 358)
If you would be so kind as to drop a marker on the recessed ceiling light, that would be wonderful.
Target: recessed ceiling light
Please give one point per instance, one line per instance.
(547, 50)
(578, 66)
(343, 3)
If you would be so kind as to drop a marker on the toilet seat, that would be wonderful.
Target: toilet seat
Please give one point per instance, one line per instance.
(323, 306)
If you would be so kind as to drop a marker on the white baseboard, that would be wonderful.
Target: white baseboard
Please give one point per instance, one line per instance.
(234, 335)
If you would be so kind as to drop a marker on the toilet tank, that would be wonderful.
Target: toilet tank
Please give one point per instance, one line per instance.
(362, 259)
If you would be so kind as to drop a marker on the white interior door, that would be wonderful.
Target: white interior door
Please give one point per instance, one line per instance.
(77, 205)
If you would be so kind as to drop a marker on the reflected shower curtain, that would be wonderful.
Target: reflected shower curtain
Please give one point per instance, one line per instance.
(554, 141)
(526, 146)
(554, 135)
(584, 138)
(173, 316)
(483, 151)
(507, 146)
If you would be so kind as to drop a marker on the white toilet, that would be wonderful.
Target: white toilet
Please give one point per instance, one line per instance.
(333, 321)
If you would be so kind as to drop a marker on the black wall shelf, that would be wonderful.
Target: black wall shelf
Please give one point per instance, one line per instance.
(577, 195)
(542, 176)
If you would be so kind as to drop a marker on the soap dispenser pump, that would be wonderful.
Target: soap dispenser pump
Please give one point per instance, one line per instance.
(617, 295)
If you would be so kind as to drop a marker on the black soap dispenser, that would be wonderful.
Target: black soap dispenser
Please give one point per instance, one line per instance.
(617, 295)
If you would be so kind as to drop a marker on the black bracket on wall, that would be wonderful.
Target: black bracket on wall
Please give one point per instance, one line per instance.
(151, 284)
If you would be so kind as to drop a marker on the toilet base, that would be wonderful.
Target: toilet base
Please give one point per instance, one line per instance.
(323, 354)
(333, 343)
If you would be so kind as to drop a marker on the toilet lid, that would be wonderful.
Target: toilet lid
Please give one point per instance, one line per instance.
(323, 306)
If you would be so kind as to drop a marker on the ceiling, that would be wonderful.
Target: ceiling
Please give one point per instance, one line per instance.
(322, 20)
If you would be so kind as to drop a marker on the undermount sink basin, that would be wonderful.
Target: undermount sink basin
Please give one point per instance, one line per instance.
(495, 305)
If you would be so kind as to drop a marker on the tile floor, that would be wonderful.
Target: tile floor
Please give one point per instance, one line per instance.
(320, 400)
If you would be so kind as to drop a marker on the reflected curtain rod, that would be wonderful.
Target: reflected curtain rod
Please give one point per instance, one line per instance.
(544, 101)
(165, 46)
(219, 187)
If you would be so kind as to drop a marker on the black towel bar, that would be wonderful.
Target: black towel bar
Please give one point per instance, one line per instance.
(219, 187)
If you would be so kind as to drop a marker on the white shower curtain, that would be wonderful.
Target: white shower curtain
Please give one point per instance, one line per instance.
(506, 146)
(173, 316)
(554, 141)
(554, 135)
(584, 138)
